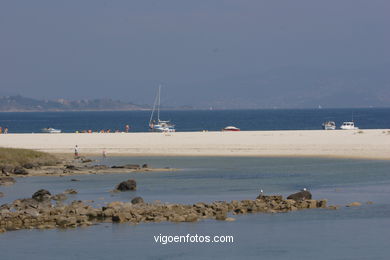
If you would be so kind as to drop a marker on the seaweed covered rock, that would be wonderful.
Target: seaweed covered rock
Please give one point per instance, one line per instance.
(127, 185)
(41, 195)
(302, 195)
(20, 171)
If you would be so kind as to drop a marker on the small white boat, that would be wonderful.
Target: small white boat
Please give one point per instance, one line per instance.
(51, 130)
(231, 129)
(329, 125)
(348, 126)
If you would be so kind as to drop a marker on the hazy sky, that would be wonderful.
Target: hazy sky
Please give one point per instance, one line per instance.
(208, 53)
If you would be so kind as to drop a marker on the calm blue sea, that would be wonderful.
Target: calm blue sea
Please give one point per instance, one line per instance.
(291, 119)
(347, 233)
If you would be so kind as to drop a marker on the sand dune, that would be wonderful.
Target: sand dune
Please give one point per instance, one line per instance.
(373, 144)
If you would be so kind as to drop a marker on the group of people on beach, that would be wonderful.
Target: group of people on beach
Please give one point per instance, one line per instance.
(3, 131)
(126, 128)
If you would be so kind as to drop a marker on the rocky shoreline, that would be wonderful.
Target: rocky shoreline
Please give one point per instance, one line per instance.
(42, 212)
(67, 167)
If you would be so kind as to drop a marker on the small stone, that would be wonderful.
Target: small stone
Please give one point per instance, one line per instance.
(70, 191)
(230, 219)
(354, 204)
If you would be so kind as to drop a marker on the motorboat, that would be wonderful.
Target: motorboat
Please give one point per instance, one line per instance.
(348, 126)
(50, 130)
(231, 129)
(329, 125)
(157, 124)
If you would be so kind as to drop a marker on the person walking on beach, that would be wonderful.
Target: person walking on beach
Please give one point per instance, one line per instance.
(127, 128)
(6, 130)
(76, 151)
(104, 154)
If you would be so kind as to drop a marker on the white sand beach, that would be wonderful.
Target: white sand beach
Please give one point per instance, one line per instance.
(372, 144)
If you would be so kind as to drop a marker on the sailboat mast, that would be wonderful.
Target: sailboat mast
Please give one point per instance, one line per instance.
(159, 101)
(154, 108)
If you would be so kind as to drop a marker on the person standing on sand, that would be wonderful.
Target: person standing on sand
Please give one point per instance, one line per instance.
(76, 151)
(6, 130)
(104, 154)
(127, 128)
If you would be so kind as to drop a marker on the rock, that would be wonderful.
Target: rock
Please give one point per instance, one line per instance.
(369, 202)
(70, 167)
(221, 216)
(321, 203)
(20, 171)
(74, 180)
(41, 195)
(354, 204)
(230, 219)
(86, 160)
(127, 185)
(145, 166)
(137, 200)
(191, 218)
(117, 167)
(6, 170)
(7, 181)
(1, 194)
(333, 207)
(70, 191)
(29, 165)
(59, 197)
(269, 197)
(302, 195)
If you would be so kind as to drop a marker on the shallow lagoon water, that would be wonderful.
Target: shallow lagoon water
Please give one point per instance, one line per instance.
(348, 233)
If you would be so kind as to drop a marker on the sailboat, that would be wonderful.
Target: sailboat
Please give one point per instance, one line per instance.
(159, 125)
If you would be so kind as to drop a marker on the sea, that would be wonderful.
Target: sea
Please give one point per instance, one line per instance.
(345, 233)
(196, 120)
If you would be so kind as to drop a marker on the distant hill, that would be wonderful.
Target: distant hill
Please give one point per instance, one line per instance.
(22, 104)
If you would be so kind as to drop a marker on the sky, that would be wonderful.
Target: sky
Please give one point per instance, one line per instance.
(219, 53)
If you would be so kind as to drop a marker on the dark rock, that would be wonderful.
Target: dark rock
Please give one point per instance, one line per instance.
(86, 160)
(29, 165)
(137, 200)
(7, 169)
(41, 195)
(20, 171)
(74, 180)
(117, 167)
(302, 195)
(145, 166)
(70, 167)
(7, 181)
(127, 185)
